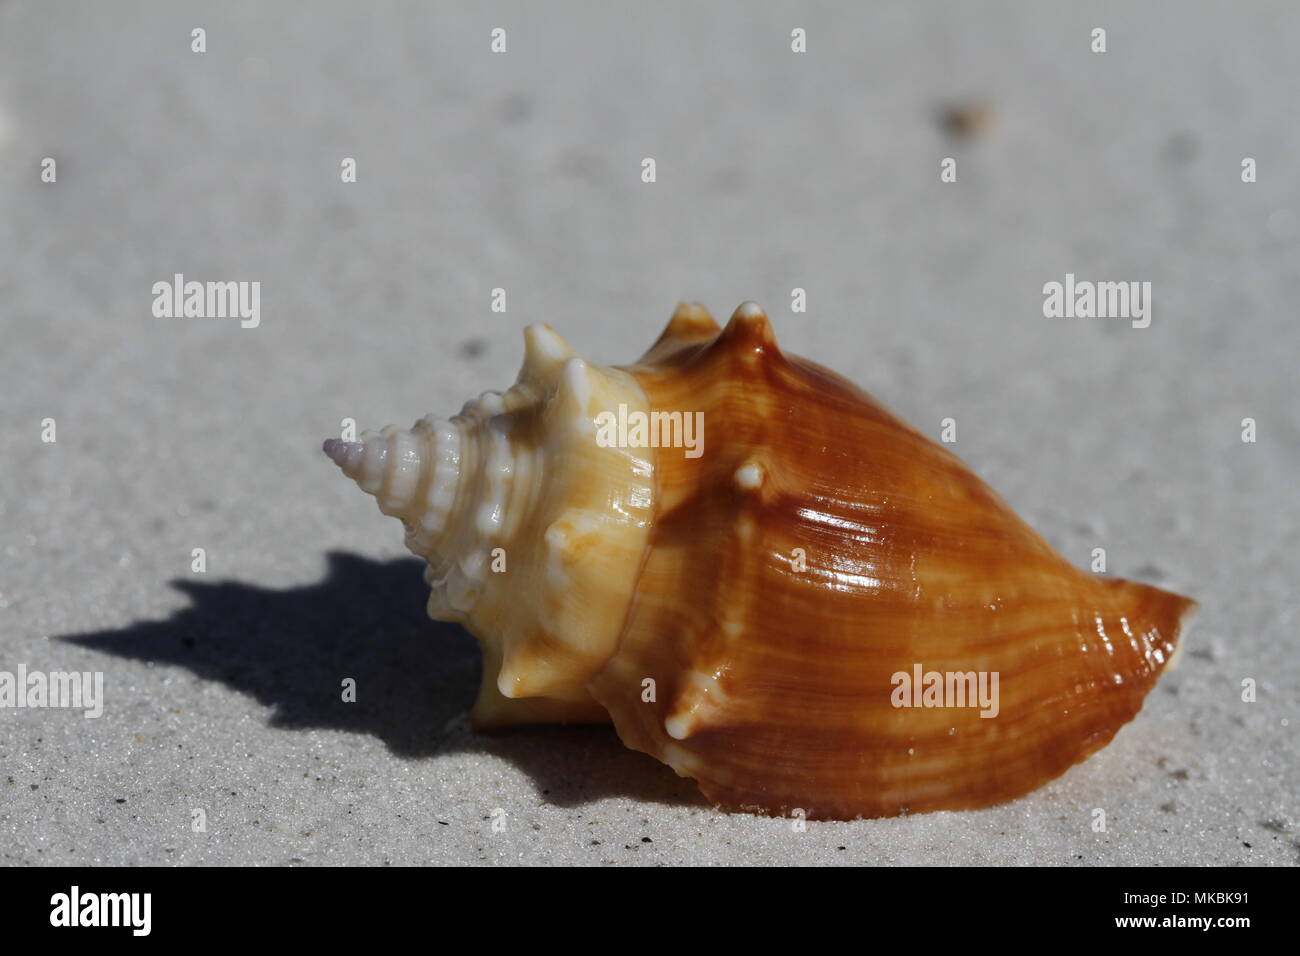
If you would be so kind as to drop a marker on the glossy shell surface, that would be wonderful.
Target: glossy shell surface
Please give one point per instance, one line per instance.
(744, 614)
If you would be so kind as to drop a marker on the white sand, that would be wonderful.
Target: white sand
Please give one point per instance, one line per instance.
(522, 171)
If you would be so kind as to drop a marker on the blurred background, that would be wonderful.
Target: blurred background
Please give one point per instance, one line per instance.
(522, 170)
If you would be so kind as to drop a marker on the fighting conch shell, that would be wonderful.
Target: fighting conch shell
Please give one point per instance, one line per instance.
(762, 577)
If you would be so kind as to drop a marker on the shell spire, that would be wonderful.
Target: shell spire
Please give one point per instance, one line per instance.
(413, 474)
(532, 530)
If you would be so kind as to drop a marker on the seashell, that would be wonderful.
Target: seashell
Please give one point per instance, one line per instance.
(769, 615)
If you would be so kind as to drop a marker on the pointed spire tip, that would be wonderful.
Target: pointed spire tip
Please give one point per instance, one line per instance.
(337, 449)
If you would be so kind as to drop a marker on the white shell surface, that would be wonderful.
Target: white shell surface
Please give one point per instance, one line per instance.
(533, 531)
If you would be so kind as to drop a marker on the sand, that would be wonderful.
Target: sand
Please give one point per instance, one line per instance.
(522, 171)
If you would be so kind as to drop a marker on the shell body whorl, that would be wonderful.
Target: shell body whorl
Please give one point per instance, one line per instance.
(768, 592)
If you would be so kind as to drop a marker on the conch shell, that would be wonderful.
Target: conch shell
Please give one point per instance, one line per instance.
(798, 611)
